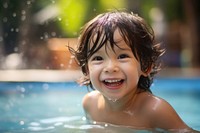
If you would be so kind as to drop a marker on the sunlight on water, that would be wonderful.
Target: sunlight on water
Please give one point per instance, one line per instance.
(74, 124)
(56, 107)
(50, 123)
(59, 119)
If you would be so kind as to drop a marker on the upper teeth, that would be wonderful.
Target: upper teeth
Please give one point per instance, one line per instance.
(112, 81)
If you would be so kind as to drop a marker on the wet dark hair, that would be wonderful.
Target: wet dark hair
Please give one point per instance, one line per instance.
(136, 33)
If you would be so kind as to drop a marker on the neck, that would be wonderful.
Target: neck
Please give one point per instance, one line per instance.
(123, 103)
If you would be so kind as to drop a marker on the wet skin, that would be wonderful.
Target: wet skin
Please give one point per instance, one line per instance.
(117, 99)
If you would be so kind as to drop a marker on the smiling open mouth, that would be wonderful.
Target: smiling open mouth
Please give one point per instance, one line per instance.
(114, 83)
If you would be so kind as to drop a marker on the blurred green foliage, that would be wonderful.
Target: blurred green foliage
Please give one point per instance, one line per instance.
(145, 8)
(74, 13)
(173, 10)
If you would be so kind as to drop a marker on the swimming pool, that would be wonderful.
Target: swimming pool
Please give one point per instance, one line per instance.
(47, 107)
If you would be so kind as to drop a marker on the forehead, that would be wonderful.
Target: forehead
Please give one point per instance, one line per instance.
(110, 35)
(117, 42)
(100, 33)
(117, 36)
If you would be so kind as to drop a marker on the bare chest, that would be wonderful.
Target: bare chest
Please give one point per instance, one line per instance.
(125, 118)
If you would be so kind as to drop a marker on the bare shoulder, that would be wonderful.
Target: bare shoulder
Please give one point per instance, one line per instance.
(90, 99)
(162, 114)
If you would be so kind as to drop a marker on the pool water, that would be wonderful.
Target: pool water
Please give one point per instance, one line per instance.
(46, 107)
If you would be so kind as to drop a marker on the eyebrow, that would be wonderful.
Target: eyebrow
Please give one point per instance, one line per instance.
(123, 47)
(121, 44)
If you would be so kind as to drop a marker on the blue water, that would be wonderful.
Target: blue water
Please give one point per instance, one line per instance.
(44, 107)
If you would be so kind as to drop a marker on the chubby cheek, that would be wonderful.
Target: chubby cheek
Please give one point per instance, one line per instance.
(94, 74)
(133, 74)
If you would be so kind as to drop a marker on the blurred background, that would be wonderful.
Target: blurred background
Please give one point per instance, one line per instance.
(34, 33)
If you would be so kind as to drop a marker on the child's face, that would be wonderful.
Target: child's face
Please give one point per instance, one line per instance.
(114, 73)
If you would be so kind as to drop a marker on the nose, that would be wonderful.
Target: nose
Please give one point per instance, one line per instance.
(111, 66)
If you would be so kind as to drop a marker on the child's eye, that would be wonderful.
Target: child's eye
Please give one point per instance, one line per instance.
(122, 56)
(97, 58)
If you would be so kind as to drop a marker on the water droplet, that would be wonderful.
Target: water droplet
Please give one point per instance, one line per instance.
(113, 100)
(23, 18)
(12, 29)
(21, 122)
(94, 122)
(84, 118)
(23, 42)
(53, 34)
(5, 5)
(129, 112)
(23, 12)
(14, 14)
(46, 36)
(22, 89)
(62, 65)
(28, 2)
(1, 38)
(59, 19)
(16, 49)
(45, 86)
(5, 19)
(16, 30)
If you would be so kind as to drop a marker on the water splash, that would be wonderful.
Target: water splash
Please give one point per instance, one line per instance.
(113, 100)
(129, 112)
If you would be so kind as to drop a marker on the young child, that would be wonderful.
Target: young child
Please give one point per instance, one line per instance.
(118, 58)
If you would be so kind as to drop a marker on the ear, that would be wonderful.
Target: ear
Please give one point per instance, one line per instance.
(147, 72)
